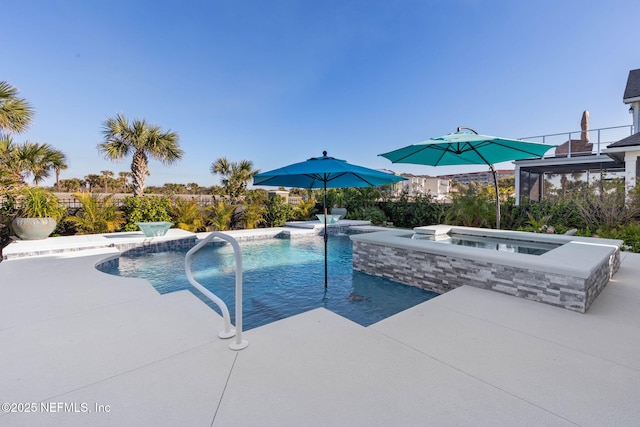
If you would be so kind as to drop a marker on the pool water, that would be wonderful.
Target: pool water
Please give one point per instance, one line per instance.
(281, 278)
(505, 245)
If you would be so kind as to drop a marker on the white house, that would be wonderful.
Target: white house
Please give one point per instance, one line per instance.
(422, 185)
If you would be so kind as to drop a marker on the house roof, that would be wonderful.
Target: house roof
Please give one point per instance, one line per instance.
(629, 141)
(633, 85)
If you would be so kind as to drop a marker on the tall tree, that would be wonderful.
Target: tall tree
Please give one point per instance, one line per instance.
(235, 176)
(93, 181)
(16, 114)
(122, 138)
(106, 176)
(72, 185)
(29, 159)
(123, 179)
(192, 187)
(9, 174)
(58, 169)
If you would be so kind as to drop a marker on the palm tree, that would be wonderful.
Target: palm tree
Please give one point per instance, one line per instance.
(72, 185)
(123, 179)
(29, 159)
(141, 139)
(16, 114)
(235, 176)
(9, 172)
(193, 187)
(56, 160)
(93, 181)
(106, 176)
(59, 168)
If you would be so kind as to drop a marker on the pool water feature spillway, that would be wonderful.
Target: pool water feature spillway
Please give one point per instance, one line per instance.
(569, 276)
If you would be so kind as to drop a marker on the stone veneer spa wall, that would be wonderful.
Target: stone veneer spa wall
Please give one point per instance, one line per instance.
(570, 276)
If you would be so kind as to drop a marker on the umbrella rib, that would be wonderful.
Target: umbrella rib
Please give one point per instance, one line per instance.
(480, 155)
(419, 149)
(423, 148)
(341, 174)
(518, 149)
(437, 162)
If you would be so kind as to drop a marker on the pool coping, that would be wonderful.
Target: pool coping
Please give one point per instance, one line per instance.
(174, 237)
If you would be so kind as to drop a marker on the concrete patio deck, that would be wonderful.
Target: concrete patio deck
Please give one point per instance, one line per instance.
(86, 348)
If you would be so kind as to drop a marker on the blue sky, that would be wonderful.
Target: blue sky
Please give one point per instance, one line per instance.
(278, 81)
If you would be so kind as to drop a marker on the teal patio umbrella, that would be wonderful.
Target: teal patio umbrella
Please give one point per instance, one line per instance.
(468, 148)
(325, 172)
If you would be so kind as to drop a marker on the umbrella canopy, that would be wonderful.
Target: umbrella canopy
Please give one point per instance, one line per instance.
(464, 148)
(325, 172)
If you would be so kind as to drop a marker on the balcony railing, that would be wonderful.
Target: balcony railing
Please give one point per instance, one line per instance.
(570, 144)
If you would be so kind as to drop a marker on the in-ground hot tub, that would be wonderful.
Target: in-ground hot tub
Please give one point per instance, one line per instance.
(566, 271)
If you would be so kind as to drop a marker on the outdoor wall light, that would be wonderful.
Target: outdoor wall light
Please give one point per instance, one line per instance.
(631, 110)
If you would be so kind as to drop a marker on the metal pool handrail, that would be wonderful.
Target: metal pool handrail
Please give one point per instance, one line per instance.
(238, 343)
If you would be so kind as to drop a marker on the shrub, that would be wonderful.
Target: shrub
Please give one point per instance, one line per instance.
(220, 215)
(252, 215)
(421, 211)
(7, 213)
(277, 212)
(97, 215)
(373, 214)
(629, 233)
(335, 197)
(302, 212)
(362, 197)
(471, 208)
(145, 209)
(606, 205)
(561, 214)
(187, 215)
(254, 205)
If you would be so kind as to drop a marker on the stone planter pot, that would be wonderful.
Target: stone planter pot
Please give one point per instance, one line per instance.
(33, 228)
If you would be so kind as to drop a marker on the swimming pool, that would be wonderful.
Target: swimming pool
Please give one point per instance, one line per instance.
(282, 278)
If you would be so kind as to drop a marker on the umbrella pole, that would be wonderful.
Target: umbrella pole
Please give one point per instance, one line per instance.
(495, 178)
(495, 183)
(326, 236)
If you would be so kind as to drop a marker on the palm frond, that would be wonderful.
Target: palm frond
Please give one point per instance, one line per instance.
(16, 114)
